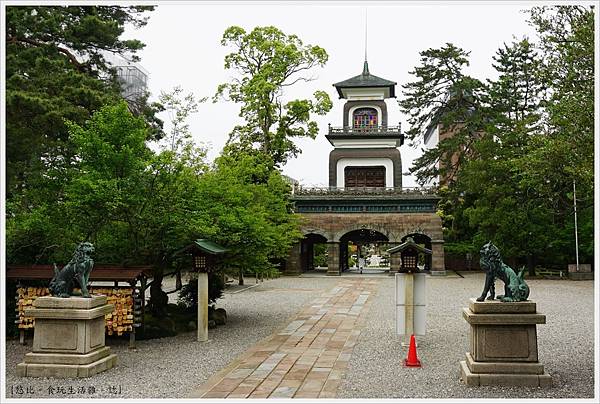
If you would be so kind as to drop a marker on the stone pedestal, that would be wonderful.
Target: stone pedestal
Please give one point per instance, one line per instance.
(584, 274)
(411, 309)
(293, 265)
(68, 339)
(503, 345)
(438, 267)
(202, 307)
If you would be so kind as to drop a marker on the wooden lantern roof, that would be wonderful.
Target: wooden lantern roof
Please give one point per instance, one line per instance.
(204, 254)
(409, 243)
(205, 246)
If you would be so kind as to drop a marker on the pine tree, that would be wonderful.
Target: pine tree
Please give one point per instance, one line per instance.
(442, 94)
(506, 209)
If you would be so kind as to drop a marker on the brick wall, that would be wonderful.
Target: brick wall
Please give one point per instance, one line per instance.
(393, 225)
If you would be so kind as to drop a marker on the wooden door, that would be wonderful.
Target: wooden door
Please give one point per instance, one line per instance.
(364, 177)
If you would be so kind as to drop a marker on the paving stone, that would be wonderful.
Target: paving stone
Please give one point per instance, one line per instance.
(336, 374)
(312, 385)
(308, 358)
(331, 385)
(306, 394)
(237, 395)
(227, 385)
(251, 382)
(297, 375)
(269, 385)
(241, 392)
(260, 394)
(240, 372)
(283, 392)
(215, 394)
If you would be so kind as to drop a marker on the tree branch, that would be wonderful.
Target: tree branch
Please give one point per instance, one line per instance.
(65, 51)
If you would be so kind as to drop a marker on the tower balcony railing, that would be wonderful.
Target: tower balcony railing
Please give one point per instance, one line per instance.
(332, 191)
(362, 130)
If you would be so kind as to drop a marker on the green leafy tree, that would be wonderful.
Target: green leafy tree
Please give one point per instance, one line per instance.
(268, 61)
(253, 216)
(139, 206)
(527, 137)
(179, 107)
(564, 153)
(56, 70)
(121, 183)
(250, 212)
(320, 255)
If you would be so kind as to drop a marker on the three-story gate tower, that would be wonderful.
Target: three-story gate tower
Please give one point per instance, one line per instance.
(365, 201)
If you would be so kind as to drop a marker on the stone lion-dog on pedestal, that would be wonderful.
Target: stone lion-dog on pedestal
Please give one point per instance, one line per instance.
(78, 269)
(515, 288)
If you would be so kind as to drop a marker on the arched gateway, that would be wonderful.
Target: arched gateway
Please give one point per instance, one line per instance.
(365, 197)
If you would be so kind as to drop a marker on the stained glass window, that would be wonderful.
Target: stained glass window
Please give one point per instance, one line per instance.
(365, 118)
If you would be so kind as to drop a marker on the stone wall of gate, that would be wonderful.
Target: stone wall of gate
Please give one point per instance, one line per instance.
(394, 226)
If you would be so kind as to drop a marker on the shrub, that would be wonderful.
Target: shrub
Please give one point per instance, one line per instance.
(188, 296)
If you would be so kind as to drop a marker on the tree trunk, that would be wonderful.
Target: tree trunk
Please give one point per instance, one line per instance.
(178, 284)
(158, 298)
(531, 265)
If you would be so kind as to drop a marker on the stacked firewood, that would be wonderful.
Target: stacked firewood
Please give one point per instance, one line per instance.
(119, 321)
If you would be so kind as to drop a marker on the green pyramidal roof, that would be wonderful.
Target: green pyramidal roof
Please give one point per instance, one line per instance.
(209, 247)
(365, 79)
(204, 245)
(409, 243)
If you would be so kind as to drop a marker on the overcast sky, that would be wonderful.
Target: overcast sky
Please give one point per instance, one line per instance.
(183, 48)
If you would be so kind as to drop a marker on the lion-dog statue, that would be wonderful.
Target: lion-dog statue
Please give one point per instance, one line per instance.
(78, 269)
(515, 288)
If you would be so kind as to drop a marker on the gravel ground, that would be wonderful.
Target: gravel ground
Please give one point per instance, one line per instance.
(173, 367)
(565, 343)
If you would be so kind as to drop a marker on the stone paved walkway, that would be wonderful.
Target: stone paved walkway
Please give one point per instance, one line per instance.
(306, 359)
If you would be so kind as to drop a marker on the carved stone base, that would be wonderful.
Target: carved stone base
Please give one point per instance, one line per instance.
(503, 379)
(68, 339)
(59, 370)
(581, 276)
(503, 341)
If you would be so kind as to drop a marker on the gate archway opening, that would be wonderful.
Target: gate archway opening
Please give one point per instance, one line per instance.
(364, 249)
(313, 252)
(424, 260)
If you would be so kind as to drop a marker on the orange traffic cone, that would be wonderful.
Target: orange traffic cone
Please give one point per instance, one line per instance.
(412, 360)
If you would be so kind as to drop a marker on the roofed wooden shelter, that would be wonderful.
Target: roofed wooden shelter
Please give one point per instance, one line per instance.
(204, 254)
(204, 260)
(409, 255)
